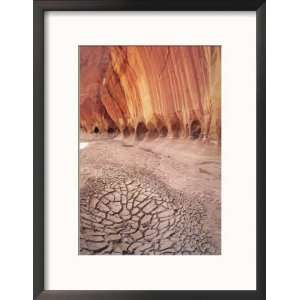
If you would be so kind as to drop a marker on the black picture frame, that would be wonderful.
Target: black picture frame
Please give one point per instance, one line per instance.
(40, 7)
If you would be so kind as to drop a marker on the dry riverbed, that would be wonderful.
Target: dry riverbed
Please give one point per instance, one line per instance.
(150, 197)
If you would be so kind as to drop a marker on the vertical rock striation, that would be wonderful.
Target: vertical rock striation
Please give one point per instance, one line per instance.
(151, 91)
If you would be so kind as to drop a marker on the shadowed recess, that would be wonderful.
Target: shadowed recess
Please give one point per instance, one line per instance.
(141, 131)
(114, 131)
(163, 131)
(153, 133)
(176, 129)
(128, 130)
(195, 129)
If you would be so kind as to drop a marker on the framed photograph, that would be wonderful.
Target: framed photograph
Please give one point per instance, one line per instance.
(149, 150)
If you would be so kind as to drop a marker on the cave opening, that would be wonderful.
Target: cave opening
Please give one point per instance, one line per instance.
(96, 130)
(164, 131)
(141, 131)
(195, 129)
(113, 131)
(176, 129)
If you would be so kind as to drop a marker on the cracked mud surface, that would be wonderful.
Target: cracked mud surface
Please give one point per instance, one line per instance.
(128, 207)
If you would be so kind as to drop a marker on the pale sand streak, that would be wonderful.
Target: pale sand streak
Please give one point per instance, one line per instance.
(83, 145)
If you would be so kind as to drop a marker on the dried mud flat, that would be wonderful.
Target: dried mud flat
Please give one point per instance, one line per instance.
(155, 197)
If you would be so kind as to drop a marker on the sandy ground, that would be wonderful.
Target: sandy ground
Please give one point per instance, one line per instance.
(150, 197)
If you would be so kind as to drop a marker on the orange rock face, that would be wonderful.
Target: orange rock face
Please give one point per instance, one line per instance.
(151, 91)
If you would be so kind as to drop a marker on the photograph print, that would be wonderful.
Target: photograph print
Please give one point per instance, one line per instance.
(149, 150)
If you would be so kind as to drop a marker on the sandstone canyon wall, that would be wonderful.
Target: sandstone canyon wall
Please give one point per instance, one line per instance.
(151, 91)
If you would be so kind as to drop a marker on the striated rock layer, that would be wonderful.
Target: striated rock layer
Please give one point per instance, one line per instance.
(151, 91)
